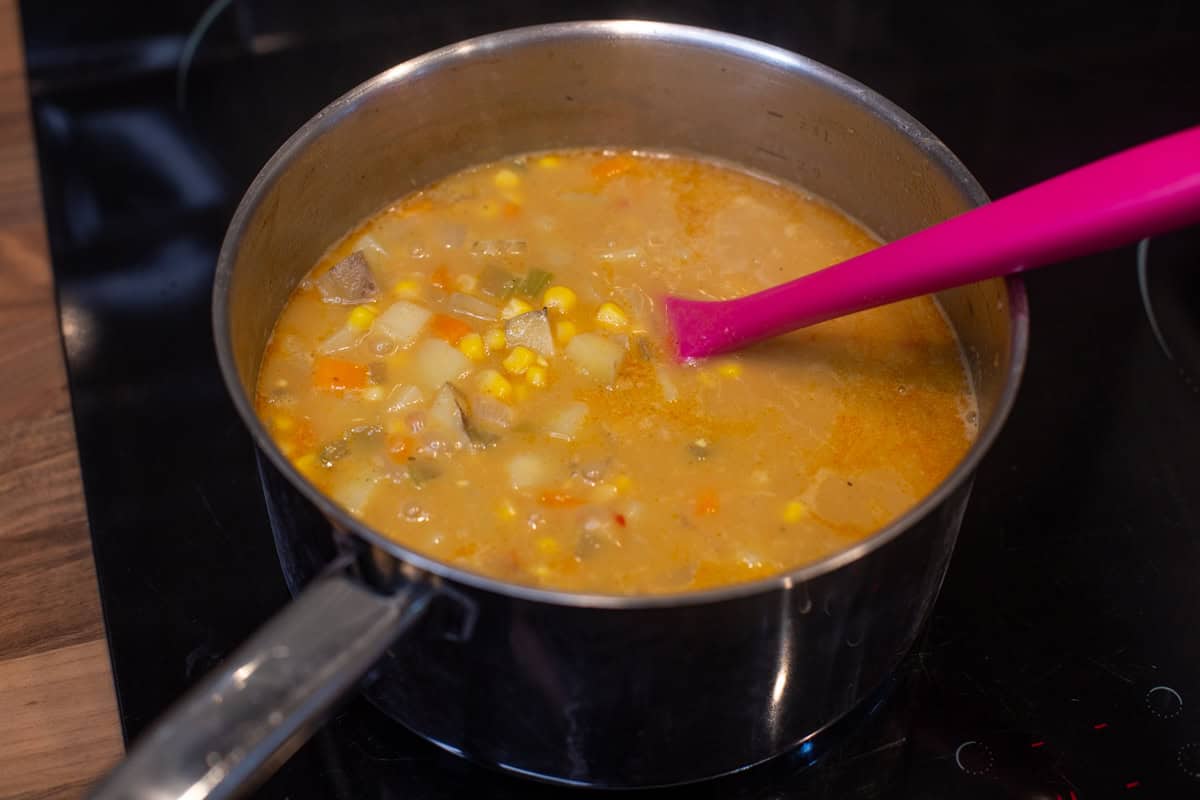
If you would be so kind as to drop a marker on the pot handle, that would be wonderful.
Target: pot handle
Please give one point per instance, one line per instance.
(244, 719)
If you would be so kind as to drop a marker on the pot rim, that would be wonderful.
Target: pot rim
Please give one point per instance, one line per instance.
(671, 33)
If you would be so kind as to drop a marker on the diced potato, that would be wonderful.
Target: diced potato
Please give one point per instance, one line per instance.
(446, 416)
(567, 423)
(526, 471)
(531, 329)
(353, 490)
(402, 322)
(596, 356)
(436, 362)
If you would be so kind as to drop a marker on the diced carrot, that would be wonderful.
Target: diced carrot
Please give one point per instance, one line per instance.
(510, 210)
(612, 167)
(440, 277)
(446, 327)
(336, 374)
(707, 502)
(398, 447)
(555, 499)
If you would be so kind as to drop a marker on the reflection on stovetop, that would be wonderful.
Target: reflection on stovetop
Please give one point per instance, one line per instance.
(1060, 660)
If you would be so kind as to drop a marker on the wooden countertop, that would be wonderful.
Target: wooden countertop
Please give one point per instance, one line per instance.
(58, 714)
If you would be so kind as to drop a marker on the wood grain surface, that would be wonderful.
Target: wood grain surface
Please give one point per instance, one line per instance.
(58, 716)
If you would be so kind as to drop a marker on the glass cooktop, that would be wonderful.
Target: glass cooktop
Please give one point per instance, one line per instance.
(1061, 659)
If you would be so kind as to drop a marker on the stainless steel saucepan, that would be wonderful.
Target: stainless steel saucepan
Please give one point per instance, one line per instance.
(592, 690)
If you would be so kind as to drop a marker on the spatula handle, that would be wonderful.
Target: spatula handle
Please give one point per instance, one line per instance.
(1139, 192)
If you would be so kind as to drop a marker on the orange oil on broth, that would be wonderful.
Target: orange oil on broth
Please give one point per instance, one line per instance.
(598, 464)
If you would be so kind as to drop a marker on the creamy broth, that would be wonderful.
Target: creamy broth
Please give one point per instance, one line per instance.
(479, 373)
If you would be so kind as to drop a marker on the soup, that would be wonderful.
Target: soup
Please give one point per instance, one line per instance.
(480, 373)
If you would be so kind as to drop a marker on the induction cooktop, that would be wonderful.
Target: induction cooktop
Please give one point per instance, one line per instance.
(1062, 658)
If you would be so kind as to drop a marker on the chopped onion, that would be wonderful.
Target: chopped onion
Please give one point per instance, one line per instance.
(621, 254)
(464, 305)
(669, 390)
(498, 247)
(489, 413)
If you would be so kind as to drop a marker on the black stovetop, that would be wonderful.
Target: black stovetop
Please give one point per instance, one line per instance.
(1062, 659)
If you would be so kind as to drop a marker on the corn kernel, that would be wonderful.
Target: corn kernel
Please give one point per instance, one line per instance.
(515, 307)
(542, 362)
(794, 511)
(564, 331)
(283, 423)
(471, 346)
(547, 546)
(519, 360)
(549, 162)
(507, 179)
(495, 340)
(395, 425)
(536, 376)
(603, 493)
(308, 465)
(466, 283)
(506, 510)
(520, 393)
(373, 394)
(541, 570)
(361, 317)
(407, 288)
(559, 299)
(623, 483)
(730, 369)
(611, 316)
(493, 383)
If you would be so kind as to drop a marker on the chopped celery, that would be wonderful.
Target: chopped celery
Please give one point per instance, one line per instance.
(535, 283)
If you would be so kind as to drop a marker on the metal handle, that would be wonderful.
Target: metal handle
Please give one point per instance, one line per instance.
(247, 717)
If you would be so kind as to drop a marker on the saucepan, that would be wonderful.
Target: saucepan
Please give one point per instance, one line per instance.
(580, 689)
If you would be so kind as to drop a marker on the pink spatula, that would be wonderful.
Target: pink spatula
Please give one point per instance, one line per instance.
(1139, 192)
